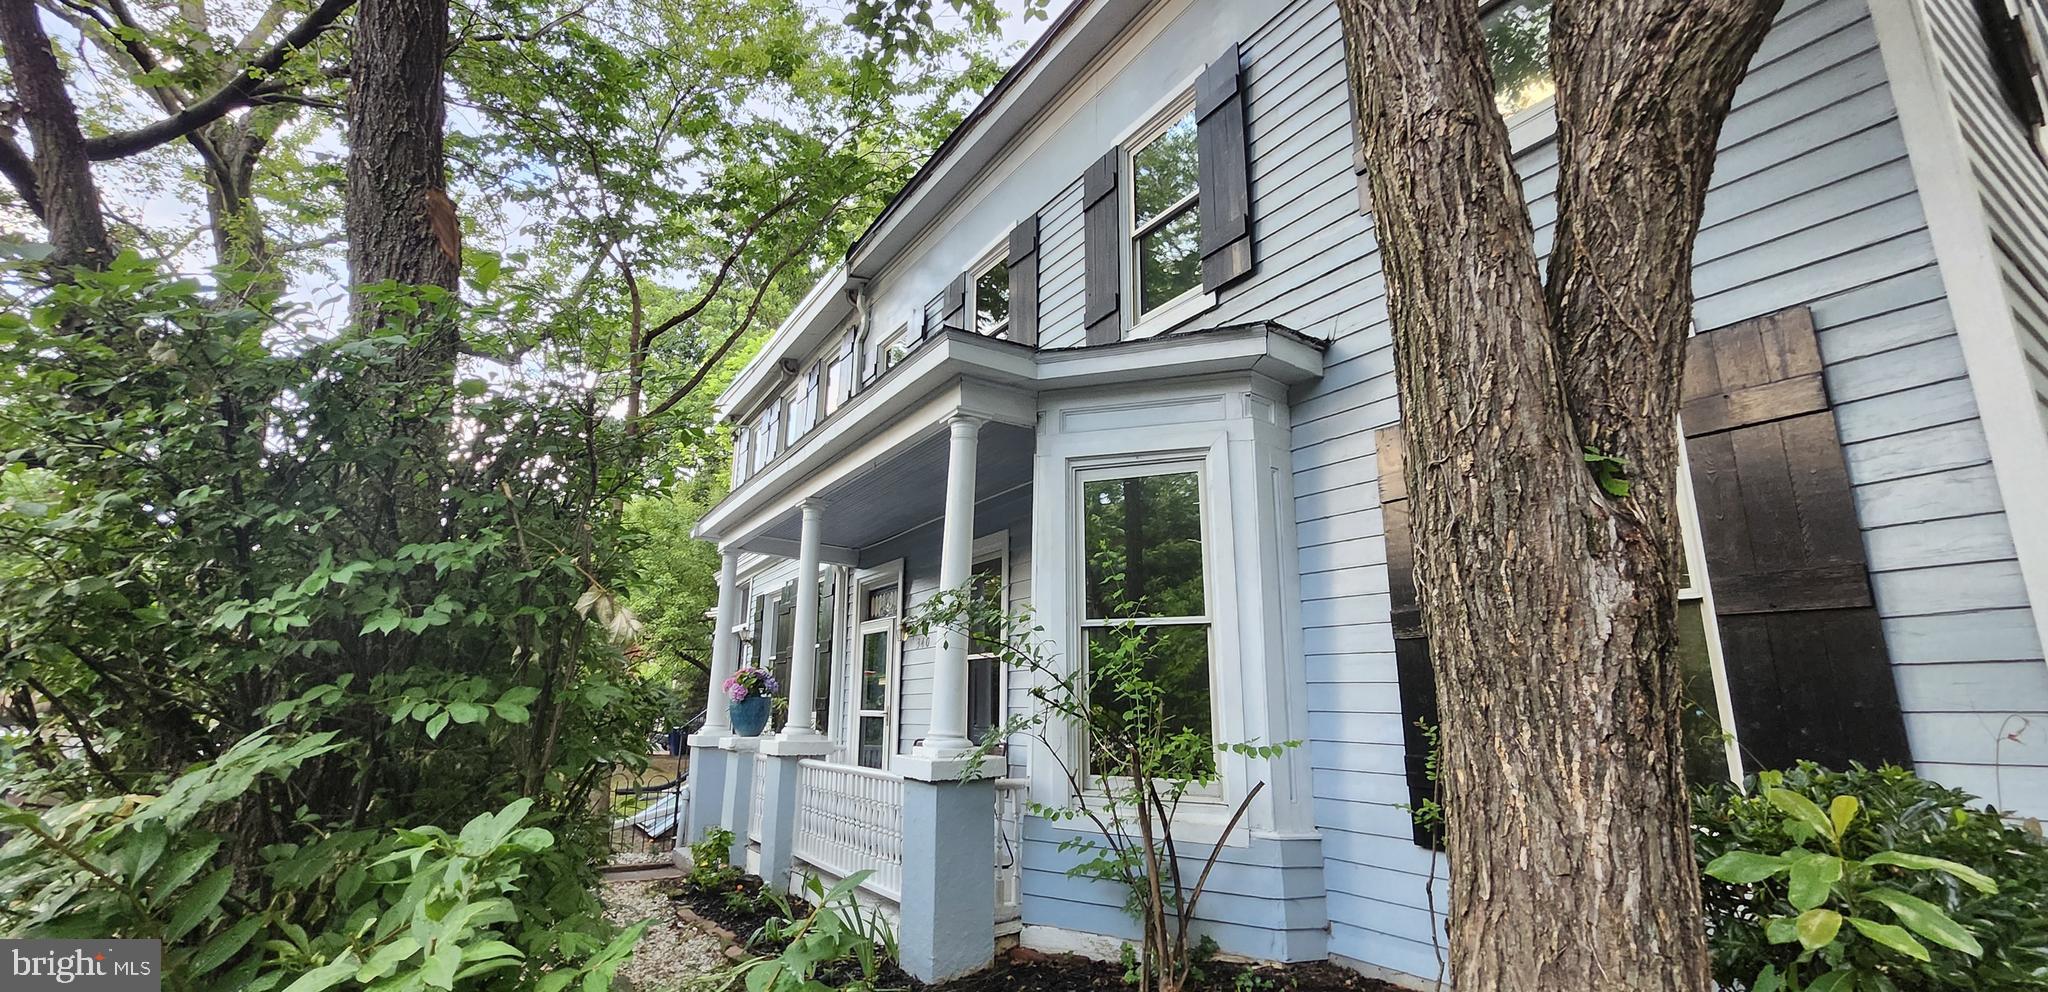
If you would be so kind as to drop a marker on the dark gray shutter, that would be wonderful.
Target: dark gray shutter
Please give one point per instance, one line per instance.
(1226, 199)
(953, 315)
(1024, 282)
(1412, 670)
(932, 317)
(1102, 229)
(1808, 673)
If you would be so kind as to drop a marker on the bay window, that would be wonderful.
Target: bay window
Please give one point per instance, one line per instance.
(1145, 606)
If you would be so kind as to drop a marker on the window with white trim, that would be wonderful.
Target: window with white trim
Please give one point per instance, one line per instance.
(839, 375)
(1145, 592)
(893, 349)
(742, 453)
(984, 665)
(1707, 722)
(1518, 48)
(798, 401)
(991, 302)
(767, 436)
(1165, 226)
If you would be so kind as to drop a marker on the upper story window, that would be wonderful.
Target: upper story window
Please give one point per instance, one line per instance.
(991, 303)
(839, 376)
(767, 436)
(742, 454)
(893, 349)
(799, 400)
(1165, 227)
(1518, 46)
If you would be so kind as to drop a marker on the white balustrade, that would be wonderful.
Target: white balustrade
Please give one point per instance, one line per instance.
(850, 819)
(1012, 801)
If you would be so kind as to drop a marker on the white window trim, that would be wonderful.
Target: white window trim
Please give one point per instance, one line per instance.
(1221, 674)
(887, 573)
(881, 364)
(1702, 590)
(1174, 312)
(1532, 125)
(997, 260)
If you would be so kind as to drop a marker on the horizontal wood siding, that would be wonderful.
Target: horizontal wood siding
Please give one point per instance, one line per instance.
(1813, 203)
(1062, 276)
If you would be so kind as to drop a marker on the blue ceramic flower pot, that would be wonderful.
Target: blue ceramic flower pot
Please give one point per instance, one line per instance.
(749, 715)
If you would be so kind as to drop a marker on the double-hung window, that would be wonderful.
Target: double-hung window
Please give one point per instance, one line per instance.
(839, 376)
(991, 303)
(984, 662)
(1165, 227)
(767, 435)
(893, 349)
(1709, 745)
(1145, 609)
(742, 453)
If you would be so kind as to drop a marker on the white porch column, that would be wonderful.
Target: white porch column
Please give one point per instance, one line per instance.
(723, 644)
(803, 655)
(948, 734)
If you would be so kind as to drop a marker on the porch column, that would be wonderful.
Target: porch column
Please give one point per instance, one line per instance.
(803, 657)
(782, 756)
(948, 735)
(723, 644)
(708, 756)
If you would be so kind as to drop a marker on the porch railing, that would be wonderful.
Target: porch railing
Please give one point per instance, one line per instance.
(760, 790)
(1012, 800)
(850, 819)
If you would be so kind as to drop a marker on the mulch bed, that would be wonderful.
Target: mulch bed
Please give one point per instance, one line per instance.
(741, 910)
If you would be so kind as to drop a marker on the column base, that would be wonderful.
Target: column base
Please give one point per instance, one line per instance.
(713, 737)
(706, 794)
(737, 811)
(931, 765)
(949, 883)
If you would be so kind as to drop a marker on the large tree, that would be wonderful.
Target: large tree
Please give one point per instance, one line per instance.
(1548, 592)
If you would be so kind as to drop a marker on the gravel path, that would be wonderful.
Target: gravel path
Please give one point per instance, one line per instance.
(672, 954)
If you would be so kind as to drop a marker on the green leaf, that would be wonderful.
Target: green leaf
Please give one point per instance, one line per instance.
(1812, 877)
(326, 976)
(1839, 980)
(1767, 980)
(1890, 936)
(1842, 812)
(387, 958)
(224, 945)
(468, 712)
(437, 724)
(1817, 928)
(1781, 930)
(1803, 809)
(439, 969)
(1976, 879)
(1927, 920)
(1745, 867)
(198, 903)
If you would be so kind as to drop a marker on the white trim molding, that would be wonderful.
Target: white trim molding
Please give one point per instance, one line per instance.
(1977, 294)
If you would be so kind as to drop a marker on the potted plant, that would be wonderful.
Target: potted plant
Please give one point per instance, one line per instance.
(749, 689)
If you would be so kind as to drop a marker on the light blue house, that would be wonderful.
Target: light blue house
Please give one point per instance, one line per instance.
(1142, 274)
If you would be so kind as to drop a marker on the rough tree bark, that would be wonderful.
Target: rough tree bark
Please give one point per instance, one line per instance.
(69, 201)
(399, 219)
(1549, 603)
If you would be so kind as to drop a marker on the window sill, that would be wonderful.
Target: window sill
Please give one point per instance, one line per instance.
(1172, 315)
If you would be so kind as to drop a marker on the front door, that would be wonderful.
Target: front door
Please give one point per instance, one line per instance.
(875, 660)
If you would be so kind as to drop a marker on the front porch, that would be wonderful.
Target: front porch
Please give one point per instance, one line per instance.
(966, 463)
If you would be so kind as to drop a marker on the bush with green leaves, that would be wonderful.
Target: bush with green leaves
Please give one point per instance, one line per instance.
(818, 946)
(1871, 880)
(227, 531)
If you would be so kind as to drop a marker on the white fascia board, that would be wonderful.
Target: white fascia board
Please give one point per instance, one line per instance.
(961, 372)
(823, 307)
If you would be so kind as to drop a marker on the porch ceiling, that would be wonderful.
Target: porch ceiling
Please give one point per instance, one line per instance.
(906, 489)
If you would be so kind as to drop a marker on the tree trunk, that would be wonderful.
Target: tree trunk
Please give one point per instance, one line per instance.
(397, 209)
(1549, 602)
(63, 174)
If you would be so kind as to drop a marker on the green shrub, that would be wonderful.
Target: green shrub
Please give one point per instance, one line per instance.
(1869, 879)
(833, 938)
